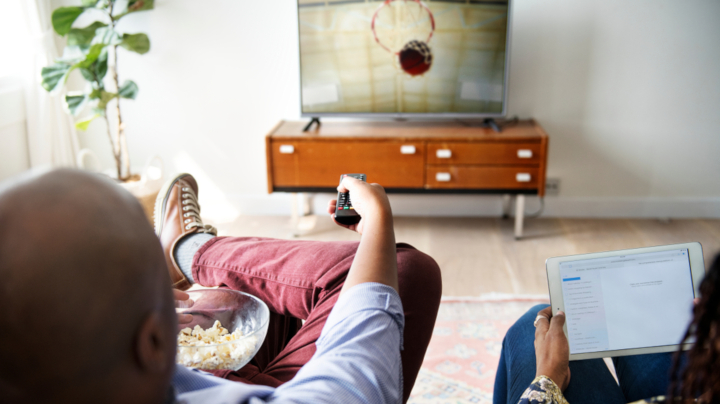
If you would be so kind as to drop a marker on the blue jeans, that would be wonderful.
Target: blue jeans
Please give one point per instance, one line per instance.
(640, 376)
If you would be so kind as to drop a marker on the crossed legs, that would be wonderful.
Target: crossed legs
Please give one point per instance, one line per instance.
(301, 280)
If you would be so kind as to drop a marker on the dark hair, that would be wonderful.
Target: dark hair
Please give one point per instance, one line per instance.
(701, 376)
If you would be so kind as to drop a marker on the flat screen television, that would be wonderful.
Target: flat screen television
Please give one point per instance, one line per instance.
(404, 58)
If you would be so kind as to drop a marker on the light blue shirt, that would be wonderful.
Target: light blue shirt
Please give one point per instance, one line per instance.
(357, 360)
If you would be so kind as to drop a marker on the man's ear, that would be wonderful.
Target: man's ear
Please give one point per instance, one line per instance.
(154, 344)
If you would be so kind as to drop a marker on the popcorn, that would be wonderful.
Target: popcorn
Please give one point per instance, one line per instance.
(225, 351)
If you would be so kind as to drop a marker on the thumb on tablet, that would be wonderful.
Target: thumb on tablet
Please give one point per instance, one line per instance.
(557, 322)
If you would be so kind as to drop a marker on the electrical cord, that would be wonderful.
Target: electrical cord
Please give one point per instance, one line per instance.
(539, 211)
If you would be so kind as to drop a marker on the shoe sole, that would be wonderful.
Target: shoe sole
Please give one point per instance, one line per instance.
(161, 201)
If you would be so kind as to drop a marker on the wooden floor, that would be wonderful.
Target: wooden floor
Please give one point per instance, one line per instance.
(480, 255)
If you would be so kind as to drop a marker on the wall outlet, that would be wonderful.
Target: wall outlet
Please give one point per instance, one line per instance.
(552, 186)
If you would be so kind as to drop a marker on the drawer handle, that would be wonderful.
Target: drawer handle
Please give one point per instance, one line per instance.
(443, 153)
(442, 177)
(525, 154)
(287, 149)
(522, 177)
(407, 149)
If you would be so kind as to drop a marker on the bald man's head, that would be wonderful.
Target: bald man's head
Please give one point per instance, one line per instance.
(83, 284)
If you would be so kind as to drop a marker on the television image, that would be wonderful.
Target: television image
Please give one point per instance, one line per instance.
(403, 58)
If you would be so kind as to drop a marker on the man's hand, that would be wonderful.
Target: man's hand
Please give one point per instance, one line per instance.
(183, 301)
(552, 352)
(376, 257)
(369, 201)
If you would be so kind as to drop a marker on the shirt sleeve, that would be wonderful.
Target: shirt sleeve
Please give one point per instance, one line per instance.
(358, 352)
(543, 391)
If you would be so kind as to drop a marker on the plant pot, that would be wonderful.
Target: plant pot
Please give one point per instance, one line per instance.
(144, 186)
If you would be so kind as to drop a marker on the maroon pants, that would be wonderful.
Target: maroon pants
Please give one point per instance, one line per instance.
(301, 280)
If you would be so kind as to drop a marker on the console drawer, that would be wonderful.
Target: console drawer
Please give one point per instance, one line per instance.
(479, 177)
(392, 164)
(526, 154)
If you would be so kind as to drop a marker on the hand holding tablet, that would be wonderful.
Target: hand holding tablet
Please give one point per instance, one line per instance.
(551, 347)
(626, 302)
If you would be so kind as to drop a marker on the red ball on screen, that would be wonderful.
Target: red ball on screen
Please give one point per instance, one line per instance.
(415, 58)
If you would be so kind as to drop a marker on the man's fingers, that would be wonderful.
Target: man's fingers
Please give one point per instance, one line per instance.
(184, 318)
(347, 183)
(180, 295)
(331, 206)
(184, 304)
(182, 299)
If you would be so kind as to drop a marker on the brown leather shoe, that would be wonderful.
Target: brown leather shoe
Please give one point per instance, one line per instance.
(177, 214)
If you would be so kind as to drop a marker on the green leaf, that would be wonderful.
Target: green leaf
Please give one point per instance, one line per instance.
(83, 36)
(92, 55)
(101, 65)
(106, 36)
(75, 103)
(136, 42)
(128, 90)
(95, 94)
(89, 3)
(64, 17)
(136, 5)
(54, 76)
(83, 124)
(95, 72)
(105, 97)
(87, 74)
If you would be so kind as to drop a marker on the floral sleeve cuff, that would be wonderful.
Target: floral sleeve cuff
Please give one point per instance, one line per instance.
(543, 391)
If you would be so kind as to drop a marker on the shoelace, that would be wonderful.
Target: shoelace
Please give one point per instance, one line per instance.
(192, 213)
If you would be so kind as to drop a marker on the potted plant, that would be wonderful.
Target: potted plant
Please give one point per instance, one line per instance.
(92, 50)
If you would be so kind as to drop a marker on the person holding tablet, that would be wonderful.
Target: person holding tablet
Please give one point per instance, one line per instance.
(541, 372)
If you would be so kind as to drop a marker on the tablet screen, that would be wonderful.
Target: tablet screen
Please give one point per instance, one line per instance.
(631, 301)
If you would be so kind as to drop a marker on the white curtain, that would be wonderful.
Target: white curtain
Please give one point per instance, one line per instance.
(52, 139)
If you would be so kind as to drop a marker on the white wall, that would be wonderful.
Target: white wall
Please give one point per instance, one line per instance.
(14, 157)
(628, 91)
(14, 41)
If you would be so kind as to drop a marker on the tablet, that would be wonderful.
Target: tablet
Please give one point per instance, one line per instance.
(626, 302)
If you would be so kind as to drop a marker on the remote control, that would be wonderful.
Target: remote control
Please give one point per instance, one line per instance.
(344, 211)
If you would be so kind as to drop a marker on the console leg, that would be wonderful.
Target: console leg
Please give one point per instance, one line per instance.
(519, 215)
(294, 215)
(302, 222)
(305, 204)
(506, 206)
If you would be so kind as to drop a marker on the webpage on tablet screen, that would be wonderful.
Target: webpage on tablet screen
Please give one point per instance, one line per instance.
(631, 301)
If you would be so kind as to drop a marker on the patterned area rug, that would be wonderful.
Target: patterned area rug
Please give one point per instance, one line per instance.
(463, 355)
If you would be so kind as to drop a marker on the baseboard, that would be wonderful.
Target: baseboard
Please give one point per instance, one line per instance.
(642, 207)
(491, 206)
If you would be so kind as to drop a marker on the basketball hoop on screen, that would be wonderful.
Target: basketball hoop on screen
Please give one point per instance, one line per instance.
(404, 28)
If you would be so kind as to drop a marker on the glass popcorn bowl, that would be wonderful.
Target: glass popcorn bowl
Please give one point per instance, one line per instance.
(244, 316)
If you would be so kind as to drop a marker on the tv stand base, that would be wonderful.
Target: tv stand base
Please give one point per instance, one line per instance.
(490, 123)
(312, 121)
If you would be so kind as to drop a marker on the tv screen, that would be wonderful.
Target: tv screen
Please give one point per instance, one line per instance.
(403, 58)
